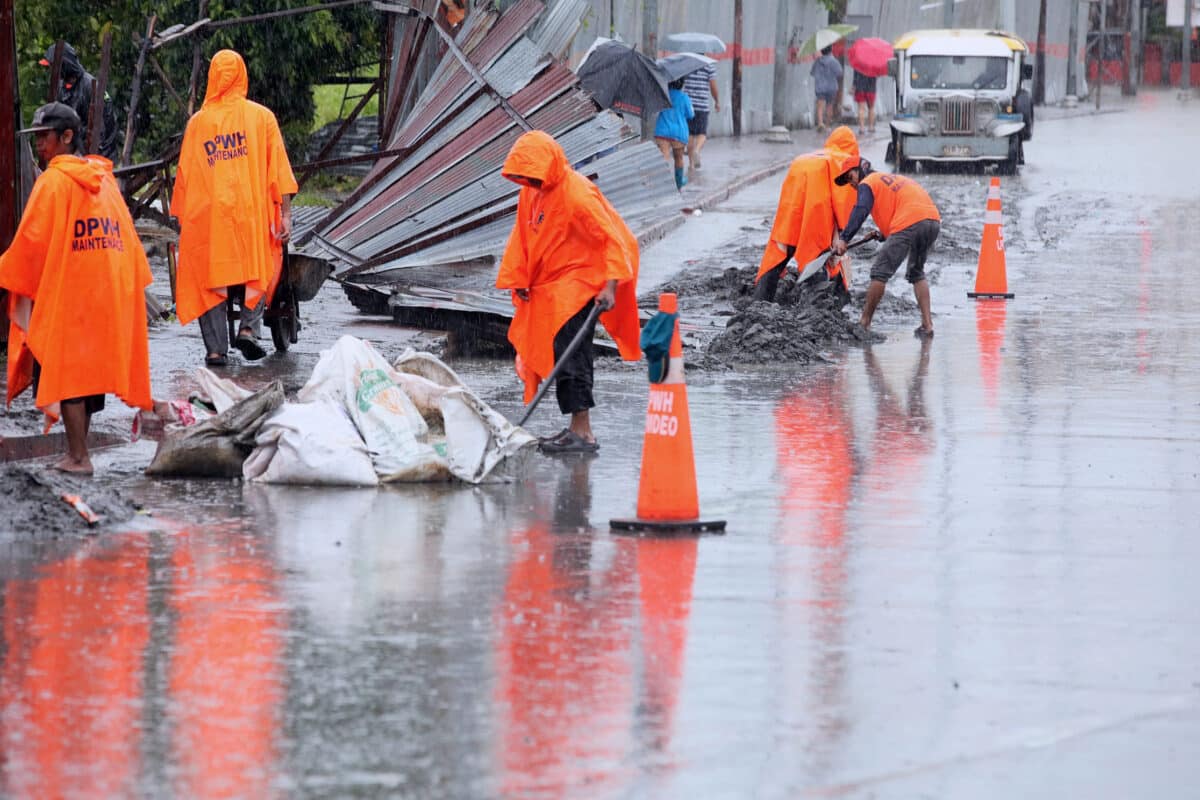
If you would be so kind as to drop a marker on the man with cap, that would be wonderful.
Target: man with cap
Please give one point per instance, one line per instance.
(909, 222)
(76, 275)
(233, 193)
(75, 88)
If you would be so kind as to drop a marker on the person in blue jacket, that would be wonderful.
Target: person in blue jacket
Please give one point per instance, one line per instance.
(671, 131)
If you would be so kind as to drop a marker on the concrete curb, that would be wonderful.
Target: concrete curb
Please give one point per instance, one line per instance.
(659, 230)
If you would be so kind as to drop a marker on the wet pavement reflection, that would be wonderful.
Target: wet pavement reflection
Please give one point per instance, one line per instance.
(954, 568)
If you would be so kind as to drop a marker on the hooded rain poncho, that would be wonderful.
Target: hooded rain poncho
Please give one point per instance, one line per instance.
(811, 206)
(77, 258)
(233, 174)
(568, 241)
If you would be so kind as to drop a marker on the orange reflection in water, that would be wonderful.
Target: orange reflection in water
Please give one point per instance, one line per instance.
(72, 690)
(579, 694)
(565, 670)
(990, 320)
(226, 670)
(666, 570)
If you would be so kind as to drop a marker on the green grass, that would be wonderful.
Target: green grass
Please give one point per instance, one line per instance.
(326, 190)
(328, 99)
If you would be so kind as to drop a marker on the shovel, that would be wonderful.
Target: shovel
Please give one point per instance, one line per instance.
(870, 237)
(562, 360)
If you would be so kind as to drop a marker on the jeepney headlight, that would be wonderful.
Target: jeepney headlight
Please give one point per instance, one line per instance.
(930, 111)
(985, 113)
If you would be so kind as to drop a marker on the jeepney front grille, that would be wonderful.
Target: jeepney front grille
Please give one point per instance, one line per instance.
(958, 115)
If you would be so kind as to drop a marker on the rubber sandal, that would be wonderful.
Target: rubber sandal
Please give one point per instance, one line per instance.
(570, 442)
(215, 361)
(554, 437)
(250, 349)
(922, 332)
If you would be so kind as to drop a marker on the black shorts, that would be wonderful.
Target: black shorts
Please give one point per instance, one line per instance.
(93, 403)
(915, 242)
(698, 125)
(573, 386)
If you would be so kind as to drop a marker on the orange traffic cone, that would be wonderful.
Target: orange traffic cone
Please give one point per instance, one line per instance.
(990, 279)
(667, 497)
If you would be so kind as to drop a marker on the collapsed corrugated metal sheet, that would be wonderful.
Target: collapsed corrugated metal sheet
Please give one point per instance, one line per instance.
(428, 226)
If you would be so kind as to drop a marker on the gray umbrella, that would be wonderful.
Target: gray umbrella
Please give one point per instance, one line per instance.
(620, 78)
(694, 43)
(682, 64)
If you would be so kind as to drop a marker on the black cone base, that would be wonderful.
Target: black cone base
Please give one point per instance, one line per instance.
(660, 527)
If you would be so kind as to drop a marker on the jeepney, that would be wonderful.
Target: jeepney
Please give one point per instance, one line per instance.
(959, 98)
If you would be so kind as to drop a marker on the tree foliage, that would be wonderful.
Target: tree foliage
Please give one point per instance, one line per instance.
(285, 57)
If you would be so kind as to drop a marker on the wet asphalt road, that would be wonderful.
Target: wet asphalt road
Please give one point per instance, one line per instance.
(955, 569)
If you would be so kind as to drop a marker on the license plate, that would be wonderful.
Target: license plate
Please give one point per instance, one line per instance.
(956, 150)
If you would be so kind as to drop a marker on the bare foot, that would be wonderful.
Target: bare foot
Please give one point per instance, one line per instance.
(74, 466)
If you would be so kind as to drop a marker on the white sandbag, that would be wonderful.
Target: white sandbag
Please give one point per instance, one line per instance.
(354, 375)
(313, 444)
(223, 392)
(428, 366)
(478, 439)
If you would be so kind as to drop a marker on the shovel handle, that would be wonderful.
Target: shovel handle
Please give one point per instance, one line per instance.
(570, 351)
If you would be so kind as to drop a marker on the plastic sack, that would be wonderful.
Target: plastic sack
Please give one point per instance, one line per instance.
(478, 440)
(313, 444)
(216, 447)
(354, 375)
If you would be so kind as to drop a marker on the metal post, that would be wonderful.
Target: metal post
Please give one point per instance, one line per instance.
(1185, 80)
(779, 102)
(1102, 50)
(1039, 80)
(1072, 52)
(650, 50)
(650, 28)
(1135, 44)
(735, 90)
(1129, 74)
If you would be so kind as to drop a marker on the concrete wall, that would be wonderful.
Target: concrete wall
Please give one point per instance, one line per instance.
(888, 19)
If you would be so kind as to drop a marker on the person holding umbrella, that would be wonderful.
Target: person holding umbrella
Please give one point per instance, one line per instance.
(864, 98)
(869, 58)
(826, 72)
(671, 130)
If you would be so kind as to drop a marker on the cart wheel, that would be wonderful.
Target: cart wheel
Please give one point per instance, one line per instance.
(279, 334)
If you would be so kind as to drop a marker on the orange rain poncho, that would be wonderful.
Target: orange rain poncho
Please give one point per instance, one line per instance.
(811, 206)
(77, 257)
(233, 174)
(568, 241)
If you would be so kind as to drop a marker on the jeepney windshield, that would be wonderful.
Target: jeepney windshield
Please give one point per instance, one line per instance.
(959, 72)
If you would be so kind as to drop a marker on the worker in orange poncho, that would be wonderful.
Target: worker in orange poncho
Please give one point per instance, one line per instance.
(76, 275)
(811, 209)
(568, 249)
(233, 199)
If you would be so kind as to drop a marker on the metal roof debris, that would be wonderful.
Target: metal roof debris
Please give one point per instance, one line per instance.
(427, 226)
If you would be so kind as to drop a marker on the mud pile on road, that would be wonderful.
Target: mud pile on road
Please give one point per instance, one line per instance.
(797, 330)
(32, 504)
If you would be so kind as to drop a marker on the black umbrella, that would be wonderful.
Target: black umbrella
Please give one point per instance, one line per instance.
(621, 78)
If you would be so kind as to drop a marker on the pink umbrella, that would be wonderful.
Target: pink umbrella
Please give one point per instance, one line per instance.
(870, 57)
